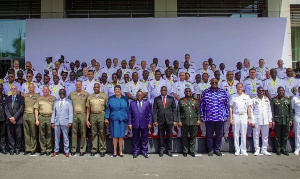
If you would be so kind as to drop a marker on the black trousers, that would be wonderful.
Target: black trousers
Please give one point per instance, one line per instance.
(189, 143)
(165, 143)
(281, 137)
(2, 135)
(14, 134)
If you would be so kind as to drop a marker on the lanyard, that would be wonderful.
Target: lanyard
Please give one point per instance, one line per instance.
(290, 81)
(273, 83)
(55, 88)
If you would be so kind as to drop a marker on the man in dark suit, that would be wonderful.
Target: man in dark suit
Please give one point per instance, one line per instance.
(2, 121)
(164, 115)
(140, 121)
(14, 108)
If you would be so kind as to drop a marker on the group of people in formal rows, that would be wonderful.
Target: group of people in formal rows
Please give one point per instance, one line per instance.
(134, 101)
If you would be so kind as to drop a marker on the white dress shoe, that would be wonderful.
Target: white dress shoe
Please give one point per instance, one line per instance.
(237, 153)
(244, 153)
(264, 152)
(296, 152)
(256, 153)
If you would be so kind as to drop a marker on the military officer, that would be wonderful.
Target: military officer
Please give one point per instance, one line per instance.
(70, 85)
(240, 118)
(104, 84)
(109, 70)
(134, 86)
(296, 109)
(188, 70)
(189, 120)
(43, 111)
(206, 70)
(11, 82)
(29, 120)
(271, 85)
(88, 84)
(229, 85)
(96, 104)
(282, 120)
(261, 70)
(79, 98)
(250, 85)
(246, 69)
(111, 86)
(281, 71)
(290, 83)
(261, 121)
(55, 87)
(179, 92)
(25, 86)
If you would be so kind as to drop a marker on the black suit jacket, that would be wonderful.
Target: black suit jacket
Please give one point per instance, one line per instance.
(17, 111)
(161, 114)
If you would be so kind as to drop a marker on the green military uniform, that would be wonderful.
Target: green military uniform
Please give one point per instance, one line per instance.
(29, 122)
(282, 115)
(45, 107)
(188, 115)
(79, 119)
(97, 104)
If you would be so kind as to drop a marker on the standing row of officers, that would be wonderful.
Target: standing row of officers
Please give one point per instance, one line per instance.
(98, 111)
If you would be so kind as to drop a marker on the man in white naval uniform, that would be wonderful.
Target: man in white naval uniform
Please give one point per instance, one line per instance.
(296, 107)
(188, 70)
(205, 84)
(261, 121)
(240, 117)
(178, 93)
(134, 86)
(261, 70)
(250, 86)
(206, 69)
(229, 86)
(109, 70)
(281, 71)
(154, 87)
(245, 70)
(271, 85)
(187, 58)
(55, 87)
(290, 84)
(88, 85)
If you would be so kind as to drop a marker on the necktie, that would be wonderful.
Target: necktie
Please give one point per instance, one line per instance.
(13, 101)
(164, 102)
(61, 104)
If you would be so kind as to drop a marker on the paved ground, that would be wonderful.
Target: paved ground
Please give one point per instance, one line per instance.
(228, 166)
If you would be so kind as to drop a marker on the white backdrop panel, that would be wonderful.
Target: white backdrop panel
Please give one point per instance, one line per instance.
(227, 40)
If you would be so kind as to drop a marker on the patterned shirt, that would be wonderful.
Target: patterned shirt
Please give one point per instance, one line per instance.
(214, 105)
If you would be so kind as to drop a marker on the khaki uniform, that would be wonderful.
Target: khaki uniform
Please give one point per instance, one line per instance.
(282, 114)
(45, 107)
(188, 115)
(79, 119)
(29, 122)
(97, 104)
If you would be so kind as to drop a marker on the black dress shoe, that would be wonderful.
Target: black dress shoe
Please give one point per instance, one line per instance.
(48, 153)
(161, 154)
(193, 154)
(72, 153)
(114, 156)
(211, 153)
(102, 154)
(278, 153)
(135, 155)
(32, 153)
(92, 154)
(146, 155)
(285, 153)
(4, 152)
(218, 153)
(17, 152)
(11, 152)
(121, 155)
(25, 153)
(170, 154)
(81, 154)
(185, 154)
(42, 153)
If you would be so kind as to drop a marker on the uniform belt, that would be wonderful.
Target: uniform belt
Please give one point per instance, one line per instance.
(97, 112)
(240, 114)
(28, 112)
(46, 115)
(78, 112)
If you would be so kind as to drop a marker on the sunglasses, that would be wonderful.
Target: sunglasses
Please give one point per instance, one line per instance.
(214, 82)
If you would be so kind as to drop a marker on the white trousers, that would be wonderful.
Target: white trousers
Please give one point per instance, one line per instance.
(240, 127)
(226, 127)
(264, 130)
(297, 134)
